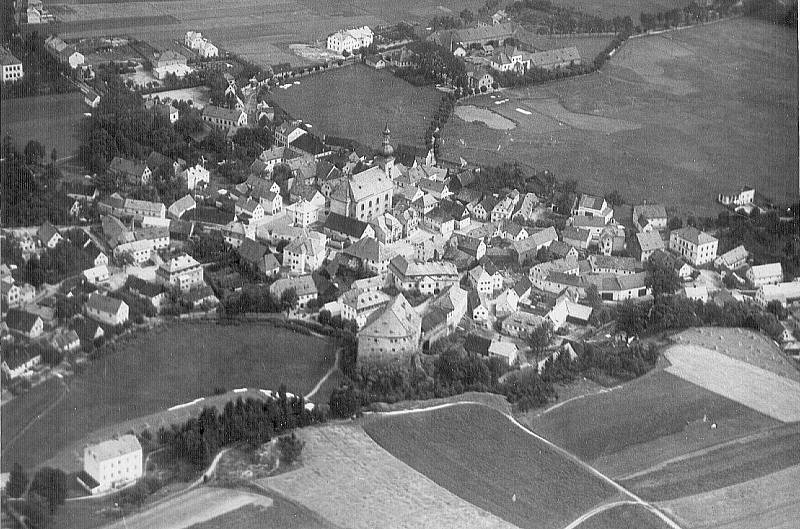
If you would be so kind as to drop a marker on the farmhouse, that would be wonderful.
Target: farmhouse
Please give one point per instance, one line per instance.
(144, 208)
(766, 274)
(224, 118)
(96, 275)
(646, 243)
(182, 206)
(390, 334)
(12, 67)
(133, 171)
(19, 363)
(304, 286)
(369, 255)
(521, 324)
(479, 79)
(592, 206)
(552, 59)
(620, 288)
(182, 271)
(527, 249)
(496, 34)
(506, 351)
(732, 259)
(152, 292)
(305, 253)
(649, 217)
(48, 235)
(742, 197)
(697, 247)
(139, 251)
(111, 464)
(105, 309)
(350, 39)
(66, 341)
(24, 322)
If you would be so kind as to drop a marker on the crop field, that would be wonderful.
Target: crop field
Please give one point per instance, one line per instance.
(52, 120)
(259, 30)
(631, 8)
(769, 502)
(356, 102)
(741, 344)
(756, 388)
(653, 418)
(708, 108)
(478, 454)
(721, 466)
(168, 366)
(341, 466)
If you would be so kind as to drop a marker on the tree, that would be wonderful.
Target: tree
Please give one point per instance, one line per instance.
(344, 402)
(34, 152)
(17, 481)
(540, 337)
(289, 448)
(775, 307)
(51, 484)
(662, 277)
(615, 198)
(467, 16)
(675, 223)
(289, 300)
(54, 155)
(631, 318)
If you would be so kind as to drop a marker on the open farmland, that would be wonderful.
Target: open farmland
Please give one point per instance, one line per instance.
(356, 102)
(769, 502)
(727, 464)
(480, 455)
(53, 121)
(708, 108)
(756, 388)
(259, 30)
(168, 366)
(653, 418)
(282, 513)
(622, 8)
(342, 466)
(742, 344)
(624, 516)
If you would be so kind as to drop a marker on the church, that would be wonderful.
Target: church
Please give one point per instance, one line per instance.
(368, 194)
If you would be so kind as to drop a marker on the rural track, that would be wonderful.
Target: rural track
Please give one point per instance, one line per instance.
(634, 499)
(325, 377)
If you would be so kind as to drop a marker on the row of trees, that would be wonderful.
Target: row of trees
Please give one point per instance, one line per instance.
(548, 17)
(433, 64)
(249, 421)
(691, 14)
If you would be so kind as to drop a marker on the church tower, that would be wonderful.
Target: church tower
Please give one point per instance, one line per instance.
(386, 158)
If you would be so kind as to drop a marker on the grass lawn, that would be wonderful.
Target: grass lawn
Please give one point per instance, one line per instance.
(356, 102)
(172, 365)
(51, 120)
(675, 118)
(652, 418)
(720, 467)
(624, 517)
(479, 455)
(20, 410)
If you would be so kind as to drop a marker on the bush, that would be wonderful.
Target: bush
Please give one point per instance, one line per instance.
(290, 448)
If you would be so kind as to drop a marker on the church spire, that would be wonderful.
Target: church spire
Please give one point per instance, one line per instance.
(386, 147)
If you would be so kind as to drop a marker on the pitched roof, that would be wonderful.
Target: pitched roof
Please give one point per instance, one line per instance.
(144, 288)
(222, 113)
(650, 211)
(132, 168)
(21, 320)
(367, 249)
(693, 235)
(371, 182)
(114, 448)
(46, 232)
(156, 160)
(303, 285)
(346, 225)
(251, 251)
(104, 303)
(545, 58)
(397, 319)
(650, 241)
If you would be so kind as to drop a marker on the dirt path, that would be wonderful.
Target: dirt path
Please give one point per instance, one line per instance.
(331, 371)
(33, 421)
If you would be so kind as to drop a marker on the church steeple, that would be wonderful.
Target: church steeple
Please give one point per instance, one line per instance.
(386, 147)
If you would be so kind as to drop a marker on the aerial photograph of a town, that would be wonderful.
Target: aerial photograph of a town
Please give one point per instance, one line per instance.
(367, 264)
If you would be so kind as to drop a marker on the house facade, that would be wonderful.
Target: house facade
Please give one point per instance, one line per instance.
(106, 309)
(113, 464)
(697, 247)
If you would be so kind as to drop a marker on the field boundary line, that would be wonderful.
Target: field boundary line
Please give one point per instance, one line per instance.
(578, 397)
(597, 510)
(636, 499)
(33, 421)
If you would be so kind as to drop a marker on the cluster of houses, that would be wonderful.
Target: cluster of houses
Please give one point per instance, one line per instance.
(349, 40)
(194, 40)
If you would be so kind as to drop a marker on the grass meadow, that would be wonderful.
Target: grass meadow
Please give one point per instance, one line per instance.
(624, 517)
(479, 455)
(53, 121)
(675, 118)
(356, 102)
(167, 366)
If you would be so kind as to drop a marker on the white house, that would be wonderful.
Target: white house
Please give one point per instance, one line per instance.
(507, 351)
(695, 246)
(784, 293)
(106, 309)
(112, 464)
(96, 275)
(196, 175)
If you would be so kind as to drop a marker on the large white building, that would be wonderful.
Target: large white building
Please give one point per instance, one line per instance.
(350, 39)
(182, 271)
(784, 293)
(12, 67)
(112, 464)
(195, 41)
(390, 334)
(696, 246)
